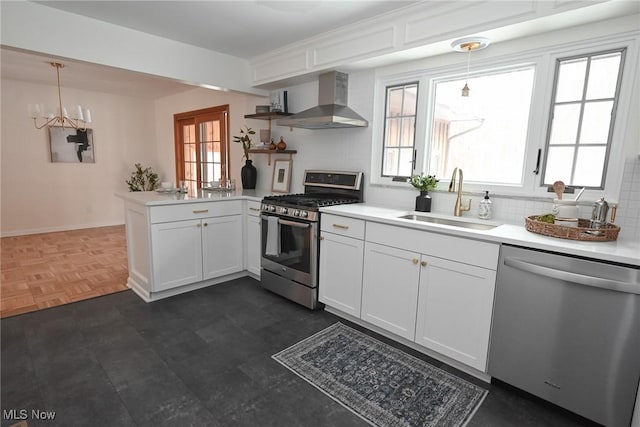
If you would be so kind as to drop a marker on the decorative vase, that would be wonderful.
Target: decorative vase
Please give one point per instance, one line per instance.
(249, 175)
(281, 144)
(272, 146)
(423, 202)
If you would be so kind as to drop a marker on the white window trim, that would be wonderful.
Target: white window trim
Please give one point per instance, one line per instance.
(544, 60)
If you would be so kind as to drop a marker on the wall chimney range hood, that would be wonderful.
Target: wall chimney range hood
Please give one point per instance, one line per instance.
(332, 111)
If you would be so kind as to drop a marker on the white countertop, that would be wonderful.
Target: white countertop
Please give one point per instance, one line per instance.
(155, 198)
(626, 252)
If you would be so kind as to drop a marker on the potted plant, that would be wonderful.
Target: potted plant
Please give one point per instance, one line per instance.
(142, 179)
(248, 173)
(424, 183)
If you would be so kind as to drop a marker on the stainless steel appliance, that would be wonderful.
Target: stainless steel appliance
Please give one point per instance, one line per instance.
(290, 246)
(567, 329)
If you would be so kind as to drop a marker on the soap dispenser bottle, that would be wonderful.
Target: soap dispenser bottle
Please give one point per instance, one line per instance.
(484, 209)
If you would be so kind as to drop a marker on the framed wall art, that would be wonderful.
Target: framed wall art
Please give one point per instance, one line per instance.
(69, 145)
(281, 180)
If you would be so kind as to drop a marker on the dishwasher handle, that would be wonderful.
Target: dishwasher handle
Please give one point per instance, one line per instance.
(596, 282)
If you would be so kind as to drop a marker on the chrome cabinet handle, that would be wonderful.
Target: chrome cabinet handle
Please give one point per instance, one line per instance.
(201, 211)
(415, 260)
(198, 225)
(596, 282)
(205, 224)
(423, 263)
(343, 227)
(254, 209)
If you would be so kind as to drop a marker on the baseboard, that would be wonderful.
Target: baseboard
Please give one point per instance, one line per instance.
(56, 229)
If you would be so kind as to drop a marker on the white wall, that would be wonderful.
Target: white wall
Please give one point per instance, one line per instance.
(39, 196)
(196, 99)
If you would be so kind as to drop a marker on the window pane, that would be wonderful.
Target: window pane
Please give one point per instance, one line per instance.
(589, 166)
(394, 103)
(392, 137)
(595, 122)
(405, 164)
(190, 171)
(410, 100)
(559, 161)
(487, 128)
(206, 152)
(189, 152)
(390, 163)
(407, 136)
(564, 128)
(207, 172)
(571, 80)
(601, 84)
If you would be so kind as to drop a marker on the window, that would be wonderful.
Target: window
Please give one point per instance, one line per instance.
(583, 108)
(532, 118)
(485, 133)
(202, 146)
(399, 130)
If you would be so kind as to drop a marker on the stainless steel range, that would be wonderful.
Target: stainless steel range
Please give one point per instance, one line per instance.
(290, 245)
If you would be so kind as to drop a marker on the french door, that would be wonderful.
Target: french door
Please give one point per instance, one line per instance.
(202, 146)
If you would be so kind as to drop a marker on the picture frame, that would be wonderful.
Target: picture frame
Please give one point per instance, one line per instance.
(281, 179)
(69, 145)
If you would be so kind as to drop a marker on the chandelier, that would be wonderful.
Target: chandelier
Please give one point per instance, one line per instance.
(41, 118)
(469, 44)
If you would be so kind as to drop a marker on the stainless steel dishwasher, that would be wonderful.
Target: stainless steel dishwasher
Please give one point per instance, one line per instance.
(567, 329)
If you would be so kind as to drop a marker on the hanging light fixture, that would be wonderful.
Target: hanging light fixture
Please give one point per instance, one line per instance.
(469, 44)
(81, 117)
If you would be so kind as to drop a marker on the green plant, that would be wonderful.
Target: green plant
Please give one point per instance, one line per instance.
(424, 182)
(245, 139)
(142, 179)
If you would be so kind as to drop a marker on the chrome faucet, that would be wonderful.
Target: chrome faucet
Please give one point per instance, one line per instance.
(458, 209)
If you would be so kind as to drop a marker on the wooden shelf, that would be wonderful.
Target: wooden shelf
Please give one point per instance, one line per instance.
(267, 116)
(271, 152)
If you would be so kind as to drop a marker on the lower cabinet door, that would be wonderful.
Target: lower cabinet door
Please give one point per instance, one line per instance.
(340, 275)
(221, 246)
(454, 310)
(176, 254)
(390, 288)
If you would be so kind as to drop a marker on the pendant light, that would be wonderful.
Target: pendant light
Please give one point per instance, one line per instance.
(469, 44)
(81, 117)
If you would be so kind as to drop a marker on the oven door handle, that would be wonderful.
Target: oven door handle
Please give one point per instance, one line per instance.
(293, 223)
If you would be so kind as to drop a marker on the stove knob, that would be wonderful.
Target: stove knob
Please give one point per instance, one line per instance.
(271, 208)
(304, 214)
(284, 210)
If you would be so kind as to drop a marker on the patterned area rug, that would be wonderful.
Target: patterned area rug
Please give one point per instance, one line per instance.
(379, 383)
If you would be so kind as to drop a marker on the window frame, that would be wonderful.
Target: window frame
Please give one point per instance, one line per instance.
(195, 117)
(582, 102)
(425, 71)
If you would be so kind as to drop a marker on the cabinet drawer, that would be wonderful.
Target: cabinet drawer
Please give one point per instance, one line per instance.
(460, 249)
(253, 208)
(343, 226)
(184, 211)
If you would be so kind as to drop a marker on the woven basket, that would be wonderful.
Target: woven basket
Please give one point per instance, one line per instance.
(582, 232)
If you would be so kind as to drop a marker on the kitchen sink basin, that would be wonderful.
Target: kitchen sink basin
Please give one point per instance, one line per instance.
(451, 222)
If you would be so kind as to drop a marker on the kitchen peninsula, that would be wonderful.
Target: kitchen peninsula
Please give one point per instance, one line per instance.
(179, 242)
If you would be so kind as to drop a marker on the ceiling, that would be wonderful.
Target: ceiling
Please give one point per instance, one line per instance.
(242, 28)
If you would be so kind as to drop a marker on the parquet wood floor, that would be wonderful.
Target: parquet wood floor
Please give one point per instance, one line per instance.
(45, 270)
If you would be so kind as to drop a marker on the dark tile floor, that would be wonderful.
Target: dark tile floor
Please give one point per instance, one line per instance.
(197, 359)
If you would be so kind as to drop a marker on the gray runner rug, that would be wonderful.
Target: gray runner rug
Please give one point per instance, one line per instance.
(379, 383)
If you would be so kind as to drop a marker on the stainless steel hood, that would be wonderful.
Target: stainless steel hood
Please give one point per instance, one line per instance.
(333, 111)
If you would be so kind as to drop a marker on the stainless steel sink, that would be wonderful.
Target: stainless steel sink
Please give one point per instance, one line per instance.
(451, 222)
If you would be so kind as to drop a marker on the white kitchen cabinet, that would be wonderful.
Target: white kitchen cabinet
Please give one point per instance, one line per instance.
(176, 254)
(390, 288)
(253, 238)
(340, 273)
(455, 303)
(221, 246)
(181, 247)
(341, 262)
